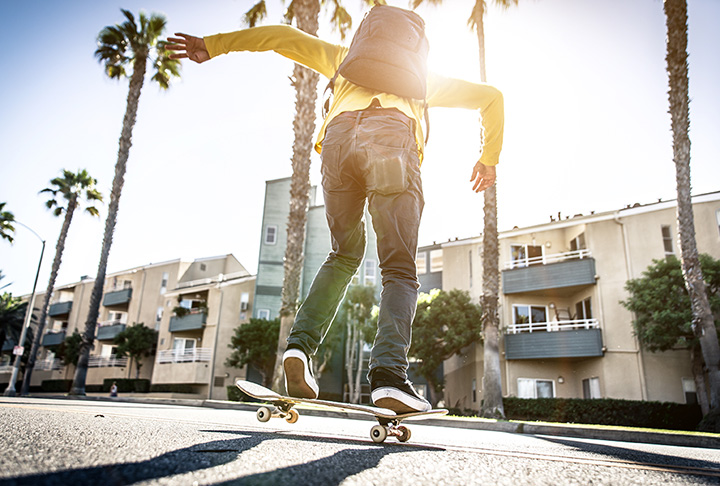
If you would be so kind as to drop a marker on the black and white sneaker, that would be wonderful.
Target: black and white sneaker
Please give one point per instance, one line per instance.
(389, 391)
(299, 381)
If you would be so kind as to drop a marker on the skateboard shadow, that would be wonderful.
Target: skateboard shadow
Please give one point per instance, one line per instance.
(330, 470)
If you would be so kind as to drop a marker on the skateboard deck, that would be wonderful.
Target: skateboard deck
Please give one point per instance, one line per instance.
(388, 420)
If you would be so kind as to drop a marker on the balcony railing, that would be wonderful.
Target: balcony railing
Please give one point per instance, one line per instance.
(546, 259)
(553, 326)
(106, 362)
(6, 368)
(117, 297)
(109, 329)
(60, 309)
(184, 355)
(49, 365)
(53, 338)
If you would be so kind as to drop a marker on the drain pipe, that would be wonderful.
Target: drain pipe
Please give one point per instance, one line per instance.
(628, 276)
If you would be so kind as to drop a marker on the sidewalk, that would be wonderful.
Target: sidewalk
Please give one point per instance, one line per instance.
(623, 434)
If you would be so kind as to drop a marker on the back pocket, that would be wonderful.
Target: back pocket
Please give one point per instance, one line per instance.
(388, 169)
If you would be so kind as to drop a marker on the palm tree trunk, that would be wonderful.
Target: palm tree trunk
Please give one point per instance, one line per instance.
(59, 249)
(699, 378)
(677, 66)
(305, 82)
(492, 404)
(88, 336)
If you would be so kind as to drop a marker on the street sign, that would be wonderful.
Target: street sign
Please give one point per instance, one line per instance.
(18, 350)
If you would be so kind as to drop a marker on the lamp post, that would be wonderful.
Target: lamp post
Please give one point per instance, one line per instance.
(10, 390)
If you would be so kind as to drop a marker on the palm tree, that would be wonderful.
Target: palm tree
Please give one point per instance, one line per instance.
(122, 46)
(69, 188)
(6, 224)
(677, 67)
(12, 317)
(305, 14)
(492, 405)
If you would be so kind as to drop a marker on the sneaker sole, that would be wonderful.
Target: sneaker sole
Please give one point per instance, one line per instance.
(295, 379)
(390, 398)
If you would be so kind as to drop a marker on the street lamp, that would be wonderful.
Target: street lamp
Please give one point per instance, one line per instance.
(10, 390)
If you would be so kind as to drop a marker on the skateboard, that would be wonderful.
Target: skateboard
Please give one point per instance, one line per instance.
(388, 421)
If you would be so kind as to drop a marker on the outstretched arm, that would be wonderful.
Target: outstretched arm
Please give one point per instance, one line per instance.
(483, 176)
(188, 47)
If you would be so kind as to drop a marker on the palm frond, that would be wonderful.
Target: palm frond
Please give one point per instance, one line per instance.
(341, 19)
(256, 14)
(165, 68)
(478, 12)
(289, 14)
(93, 211)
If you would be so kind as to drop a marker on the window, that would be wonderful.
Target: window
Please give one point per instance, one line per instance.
(164, 283)
(524, 255)
(529, 314)
(159, 314)
(583, 309)
(108, 351)
(421, 263)
(271, 234)
(578, 243)
(263, 314)
(533, 388)
(474, 390)
(244, 304)
(689, 390)
(667, 240)
(117, 317)
(591, 388)
(436, 260)
(370, 272)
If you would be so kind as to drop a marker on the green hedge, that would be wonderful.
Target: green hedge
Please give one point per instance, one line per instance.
(56, 386)
(126, 385)
(172, 388)
(629, 413)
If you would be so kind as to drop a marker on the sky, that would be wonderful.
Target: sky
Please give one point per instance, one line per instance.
(587, 125)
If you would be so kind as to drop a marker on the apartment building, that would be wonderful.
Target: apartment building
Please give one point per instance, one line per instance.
(194, 305)
(564, 331)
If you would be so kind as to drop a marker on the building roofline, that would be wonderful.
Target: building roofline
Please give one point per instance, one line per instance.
(591, 218)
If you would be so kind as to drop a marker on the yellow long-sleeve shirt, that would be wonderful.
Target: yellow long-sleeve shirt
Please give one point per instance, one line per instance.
(325, 58)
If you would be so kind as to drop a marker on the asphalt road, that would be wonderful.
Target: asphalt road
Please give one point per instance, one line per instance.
(74, 442)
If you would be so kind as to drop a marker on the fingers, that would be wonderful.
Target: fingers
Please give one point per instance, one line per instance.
(482, 177)
(179, 56)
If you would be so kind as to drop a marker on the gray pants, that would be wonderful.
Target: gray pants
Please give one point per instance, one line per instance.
(368, 155)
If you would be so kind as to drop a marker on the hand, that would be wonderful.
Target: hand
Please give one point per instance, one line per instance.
(483, 176)
(188, 47)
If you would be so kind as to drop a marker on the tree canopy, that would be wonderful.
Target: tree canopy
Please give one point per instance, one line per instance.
(662, 306)
(445, 323)
(137, 342)
(255, 344)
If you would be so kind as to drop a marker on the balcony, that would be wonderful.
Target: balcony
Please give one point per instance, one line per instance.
(108, 330)
(189, 322)
(53, 338)
(579, 338)
(60, 309)
(106, 362)
(48, 365)
(192, 355)
(118, 297)
(562, 270)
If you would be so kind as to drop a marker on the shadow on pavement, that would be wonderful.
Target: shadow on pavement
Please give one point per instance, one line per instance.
(329, 470)
(639, 456)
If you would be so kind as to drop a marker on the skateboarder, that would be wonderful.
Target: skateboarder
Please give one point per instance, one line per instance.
(371, 144)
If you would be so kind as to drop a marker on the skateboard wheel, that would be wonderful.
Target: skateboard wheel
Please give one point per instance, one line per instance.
(263, 414)
(292, 416)
(404, 434)
(378, 433)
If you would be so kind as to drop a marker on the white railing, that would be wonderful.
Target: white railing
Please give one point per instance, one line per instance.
(184, 355)
(553, 326)
(545, 259)
(209, 280)
(106, 361)
(6, 368)
(110, 323)
(48, 365)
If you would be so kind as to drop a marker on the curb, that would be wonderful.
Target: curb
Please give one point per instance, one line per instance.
(670, 438)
